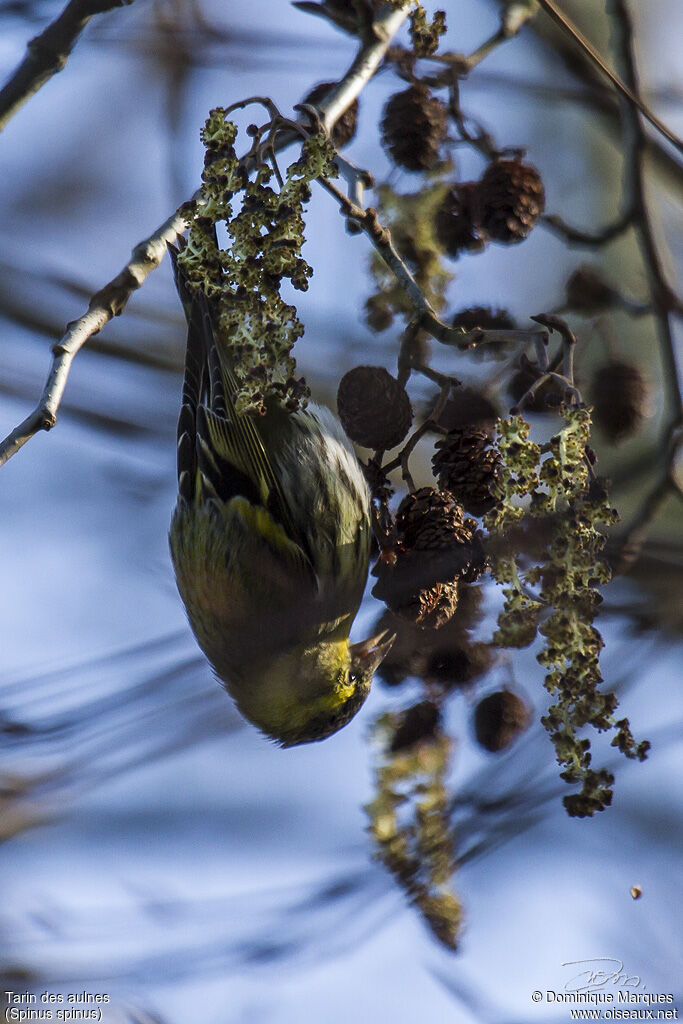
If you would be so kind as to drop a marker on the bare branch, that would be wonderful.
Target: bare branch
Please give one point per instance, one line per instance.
(633, 98)
(48, 53)
(427, 318)
(590, 239)
(111, 300)
(107, 303)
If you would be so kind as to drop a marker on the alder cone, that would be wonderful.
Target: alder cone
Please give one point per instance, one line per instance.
(414, 127)
(409, 590)
(457, 221)
(373, 407)
(414, 725)
(378, 314)
(499, 719)
(470, 408)
(512, 199)
(484, 317)
(464, 465)
(458, 664)
(345, 126)
(437, 547)
(619, 394)
(588, 292)
(428, 519)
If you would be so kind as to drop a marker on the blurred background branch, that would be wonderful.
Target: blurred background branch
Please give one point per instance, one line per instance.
(48, 53)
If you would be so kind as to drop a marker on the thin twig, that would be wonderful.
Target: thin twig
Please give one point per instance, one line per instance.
(664, 301)
(426, 318)
(626, 90)
(111, 300)
(107, 303)
(513, 19)
(590, 239)
(48, 53)
(403, 457)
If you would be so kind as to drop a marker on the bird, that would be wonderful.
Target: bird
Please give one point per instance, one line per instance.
(270, 542)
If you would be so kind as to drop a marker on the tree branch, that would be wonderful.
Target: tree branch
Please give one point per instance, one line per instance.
(111, 300)
(107, 303)
(626, 90)
(338, 100)
(380, 237)
(664, 301)
(590, 239)
(48, 53)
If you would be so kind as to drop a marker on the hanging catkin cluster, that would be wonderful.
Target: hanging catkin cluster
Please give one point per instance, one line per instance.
(570, 509)
(243, 280)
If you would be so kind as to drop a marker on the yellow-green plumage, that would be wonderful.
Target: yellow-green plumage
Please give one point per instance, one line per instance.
(270, 541)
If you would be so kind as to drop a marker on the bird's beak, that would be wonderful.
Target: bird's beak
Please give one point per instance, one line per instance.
(371, 653)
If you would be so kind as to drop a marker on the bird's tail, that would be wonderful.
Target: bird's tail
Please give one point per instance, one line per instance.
(221, 452)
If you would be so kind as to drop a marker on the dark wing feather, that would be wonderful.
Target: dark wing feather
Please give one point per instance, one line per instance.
(220, 451)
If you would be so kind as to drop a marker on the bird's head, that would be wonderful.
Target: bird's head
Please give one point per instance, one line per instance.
(307, 694)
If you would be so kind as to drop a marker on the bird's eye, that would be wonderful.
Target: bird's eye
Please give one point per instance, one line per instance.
(353, 677)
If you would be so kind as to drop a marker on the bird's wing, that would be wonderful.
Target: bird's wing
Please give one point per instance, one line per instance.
(221, 453)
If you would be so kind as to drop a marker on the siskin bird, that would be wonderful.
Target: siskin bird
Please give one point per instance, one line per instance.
(270, 541)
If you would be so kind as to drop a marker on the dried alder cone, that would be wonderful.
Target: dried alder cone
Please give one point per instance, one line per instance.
(503, 206)
(619, 394)
(414, 725)
(512, 199)
(373, 407)
(465, 465)
(499, 719)
(458, 221)
(437, 546)
(345, 126)
(414, 128)
(588, 292)
(471, 408)
(431, 520)
(485, 317)
(446, 657)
